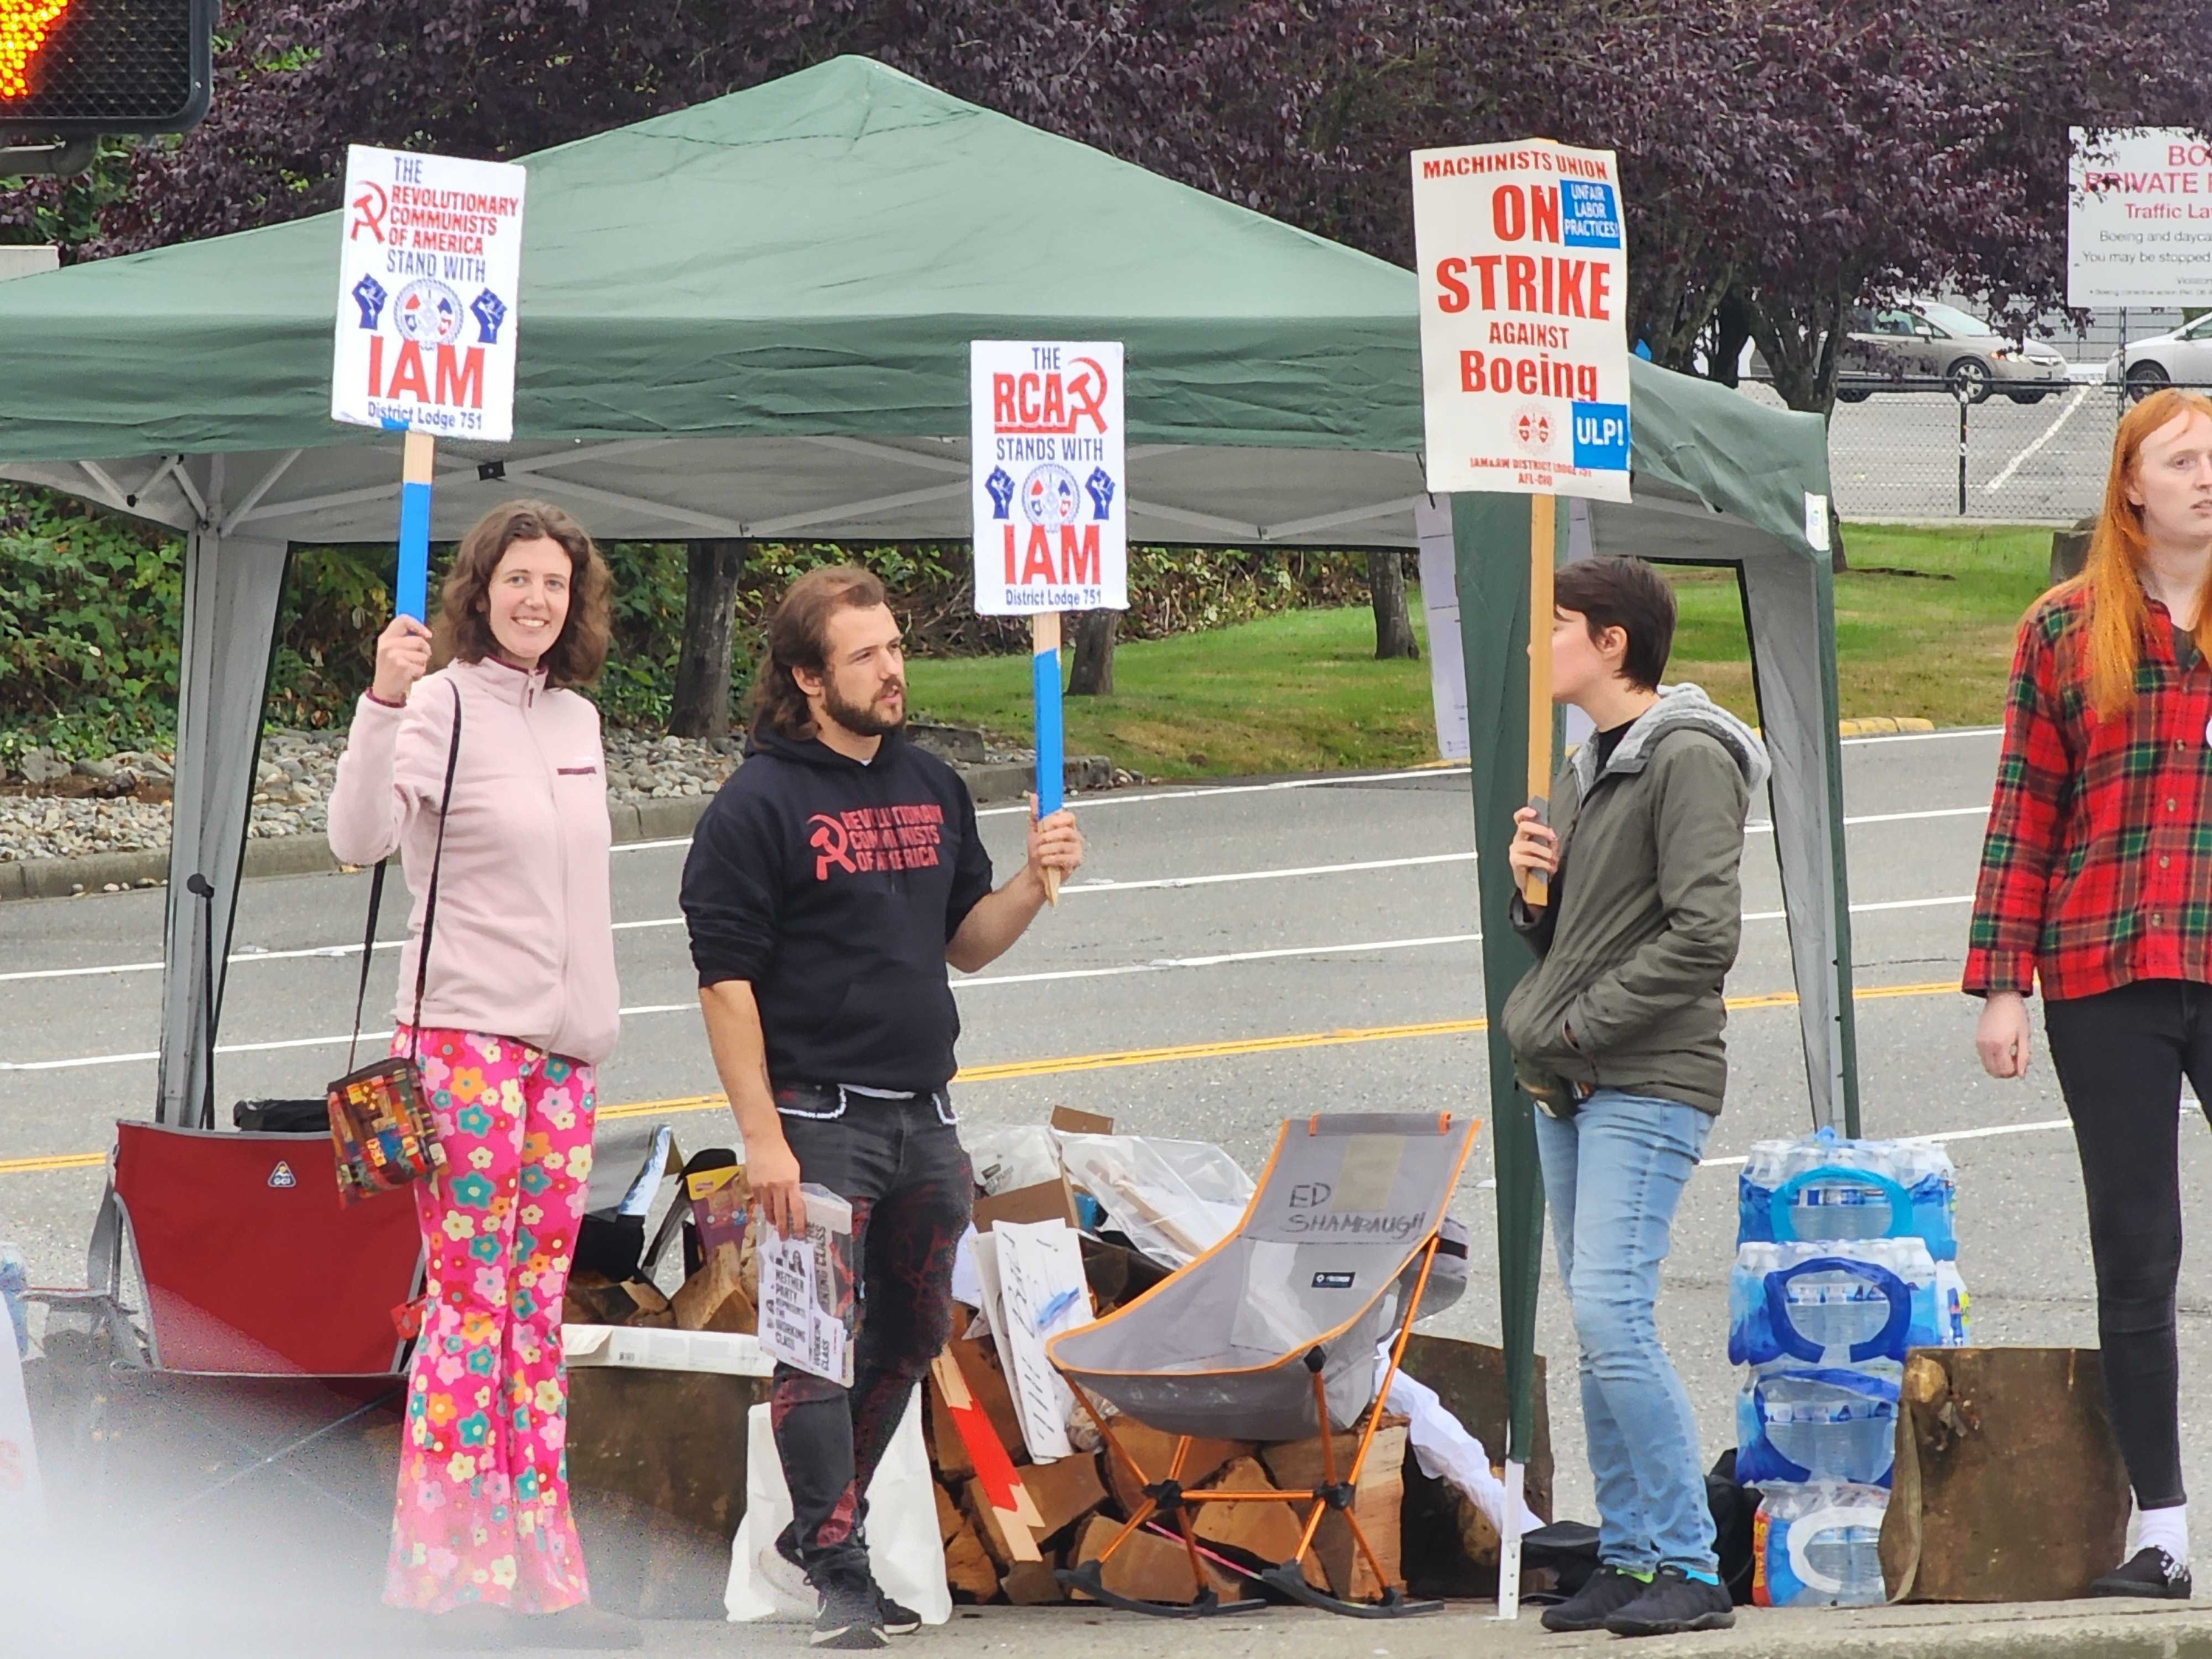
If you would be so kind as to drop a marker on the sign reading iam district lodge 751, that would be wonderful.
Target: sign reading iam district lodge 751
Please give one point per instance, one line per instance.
(1523, 262)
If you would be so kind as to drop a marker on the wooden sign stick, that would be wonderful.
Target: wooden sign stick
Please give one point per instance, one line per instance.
(1536, 889)
(1044, 674)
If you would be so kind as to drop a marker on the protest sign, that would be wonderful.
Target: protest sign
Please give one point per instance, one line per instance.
(1523, 254)
(2139, 218)
(1523, 262)
(1046, 487)
(429, 289)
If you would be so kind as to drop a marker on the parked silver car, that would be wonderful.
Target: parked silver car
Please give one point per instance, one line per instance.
(1923, 345)
(2183, 357)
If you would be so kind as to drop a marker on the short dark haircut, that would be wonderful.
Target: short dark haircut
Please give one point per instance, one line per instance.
(798, 637)
(1627, 594)
(462, 629)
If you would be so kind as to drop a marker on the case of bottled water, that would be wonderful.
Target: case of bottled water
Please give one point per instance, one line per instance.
(1834, 1303)
(1796, 1424)
(1825, 1187)
(1818, 1546)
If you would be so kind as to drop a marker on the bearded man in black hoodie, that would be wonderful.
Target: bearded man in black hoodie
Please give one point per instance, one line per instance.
(830, 882)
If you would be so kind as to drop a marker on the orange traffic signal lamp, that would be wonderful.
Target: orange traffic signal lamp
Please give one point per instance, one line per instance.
(76, 68)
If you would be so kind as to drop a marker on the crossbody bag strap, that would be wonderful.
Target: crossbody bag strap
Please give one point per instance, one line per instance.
(367, 951)
(430, 901)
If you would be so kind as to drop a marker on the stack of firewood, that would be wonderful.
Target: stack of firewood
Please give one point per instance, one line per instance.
(1076, 1506)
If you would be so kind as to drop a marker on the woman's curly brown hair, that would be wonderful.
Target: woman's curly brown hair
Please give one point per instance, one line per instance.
(462, 629)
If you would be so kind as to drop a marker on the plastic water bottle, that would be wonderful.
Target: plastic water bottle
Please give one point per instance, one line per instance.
(15, 1281)
(1954, 1317)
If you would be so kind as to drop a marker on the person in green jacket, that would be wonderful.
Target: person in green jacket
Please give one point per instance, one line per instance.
(1616, 1032)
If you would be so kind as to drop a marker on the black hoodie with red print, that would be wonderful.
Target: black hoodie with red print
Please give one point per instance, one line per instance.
(833, 888)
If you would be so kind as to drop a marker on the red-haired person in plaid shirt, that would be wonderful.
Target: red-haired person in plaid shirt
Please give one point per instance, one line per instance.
(2097, 879)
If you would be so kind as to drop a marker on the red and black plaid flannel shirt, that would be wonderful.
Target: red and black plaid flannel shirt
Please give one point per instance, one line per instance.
(2097, 867)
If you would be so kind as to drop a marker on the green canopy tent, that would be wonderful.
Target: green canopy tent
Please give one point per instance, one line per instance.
(752, 319)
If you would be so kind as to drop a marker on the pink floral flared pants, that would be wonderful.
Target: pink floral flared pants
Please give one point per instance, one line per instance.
(482, 1508)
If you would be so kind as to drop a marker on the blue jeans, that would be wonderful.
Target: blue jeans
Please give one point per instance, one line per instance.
(1613, 1174)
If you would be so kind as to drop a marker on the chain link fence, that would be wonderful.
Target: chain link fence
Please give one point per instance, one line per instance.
(1915, 451)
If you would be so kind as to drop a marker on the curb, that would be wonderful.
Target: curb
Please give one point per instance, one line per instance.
(1872, 725)
(309, 854)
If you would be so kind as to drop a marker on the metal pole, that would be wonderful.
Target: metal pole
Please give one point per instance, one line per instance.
(1962, 453)
(2123, 360)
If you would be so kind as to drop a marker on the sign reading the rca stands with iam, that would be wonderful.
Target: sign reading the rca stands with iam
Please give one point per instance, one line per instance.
(1047, 482)
(430, 279)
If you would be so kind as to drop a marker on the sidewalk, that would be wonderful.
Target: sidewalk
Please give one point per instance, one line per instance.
(2055, 1629)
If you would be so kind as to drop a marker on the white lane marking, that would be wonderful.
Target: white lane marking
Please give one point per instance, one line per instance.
(1988, 1133)
(1944, 736)
(2050, 432)
(1766, 826)
(1158, 964)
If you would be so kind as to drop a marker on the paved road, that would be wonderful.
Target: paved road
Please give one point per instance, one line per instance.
(1223, 920)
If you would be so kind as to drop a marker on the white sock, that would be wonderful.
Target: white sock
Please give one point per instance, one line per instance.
(2167, 1529)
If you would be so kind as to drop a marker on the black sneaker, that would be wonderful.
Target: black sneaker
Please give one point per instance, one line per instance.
(1607, 1592)
(1673, 1603)
(898, 1621)
(852, 1617)
(2150, 1571)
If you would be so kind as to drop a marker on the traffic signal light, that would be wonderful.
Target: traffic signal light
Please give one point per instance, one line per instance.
(73, 68)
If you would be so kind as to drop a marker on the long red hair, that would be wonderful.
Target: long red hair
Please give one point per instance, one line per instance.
(2112, 573)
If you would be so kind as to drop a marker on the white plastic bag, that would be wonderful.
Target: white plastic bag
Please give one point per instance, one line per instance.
(1175, 1199)
(1011, 1155)
(903, 1547)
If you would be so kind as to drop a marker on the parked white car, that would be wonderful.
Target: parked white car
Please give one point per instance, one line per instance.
(2183, 357)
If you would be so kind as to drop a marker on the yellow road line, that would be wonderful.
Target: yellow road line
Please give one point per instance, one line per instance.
(1060, 1065)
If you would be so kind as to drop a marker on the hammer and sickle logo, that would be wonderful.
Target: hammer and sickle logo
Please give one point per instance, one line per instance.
(368, 209)
(827, 842)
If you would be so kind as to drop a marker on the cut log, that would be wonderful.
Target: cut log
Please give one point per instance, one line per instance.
(1030, 1584)
(1148, 1567)
(1064, 1490)
(1296, 1465)
(968, 1569)
(948, 1452)
(1265, 1533)
(948, 1514)
(1005, 1538)
(1154, 1453)
(978, 1365)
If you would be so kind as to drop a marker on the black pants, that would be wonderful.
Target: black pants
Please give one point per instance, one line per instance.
(900, 1164)
(2120, 1058)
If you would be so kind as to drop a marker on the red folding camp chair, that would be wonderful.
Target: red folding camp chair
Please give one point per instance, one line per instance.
(251, 1266)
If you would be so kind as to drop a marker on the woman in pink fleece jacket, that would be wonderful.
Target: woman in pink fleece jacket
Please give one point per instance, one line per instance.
(520, 1005)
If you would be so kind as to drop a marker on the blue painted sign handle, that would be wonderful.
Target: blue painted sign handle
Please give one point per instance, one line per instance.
(410, 593)
(1044, 672)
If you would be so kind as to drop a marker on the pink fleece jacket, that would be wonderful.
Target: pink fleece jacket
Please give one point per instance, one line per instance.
(524, 946)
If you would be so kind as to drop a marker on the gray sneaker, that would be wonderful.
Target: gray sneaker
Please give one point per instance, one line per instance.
(852, 1617)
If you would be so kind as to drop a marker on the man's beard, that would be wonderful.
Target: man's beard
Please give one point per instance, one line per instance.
(861, 719)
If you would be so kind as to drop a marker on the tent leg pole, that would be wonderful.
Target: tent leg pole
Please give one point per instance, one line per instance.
(232, 586)
(1509, 1543)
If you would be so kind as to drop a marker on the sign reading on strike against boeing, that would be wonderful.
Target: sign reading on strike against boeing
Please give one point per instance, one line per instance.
(1047, 476)
(430, 279)
(1523, 261)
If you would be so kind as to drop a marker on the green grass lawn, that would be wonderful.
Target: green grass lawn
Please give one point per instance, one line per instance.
(1924, 625)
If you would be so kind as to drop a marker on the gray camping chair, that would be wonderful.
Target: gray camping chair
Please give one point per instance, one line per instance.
(1271, 1335)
